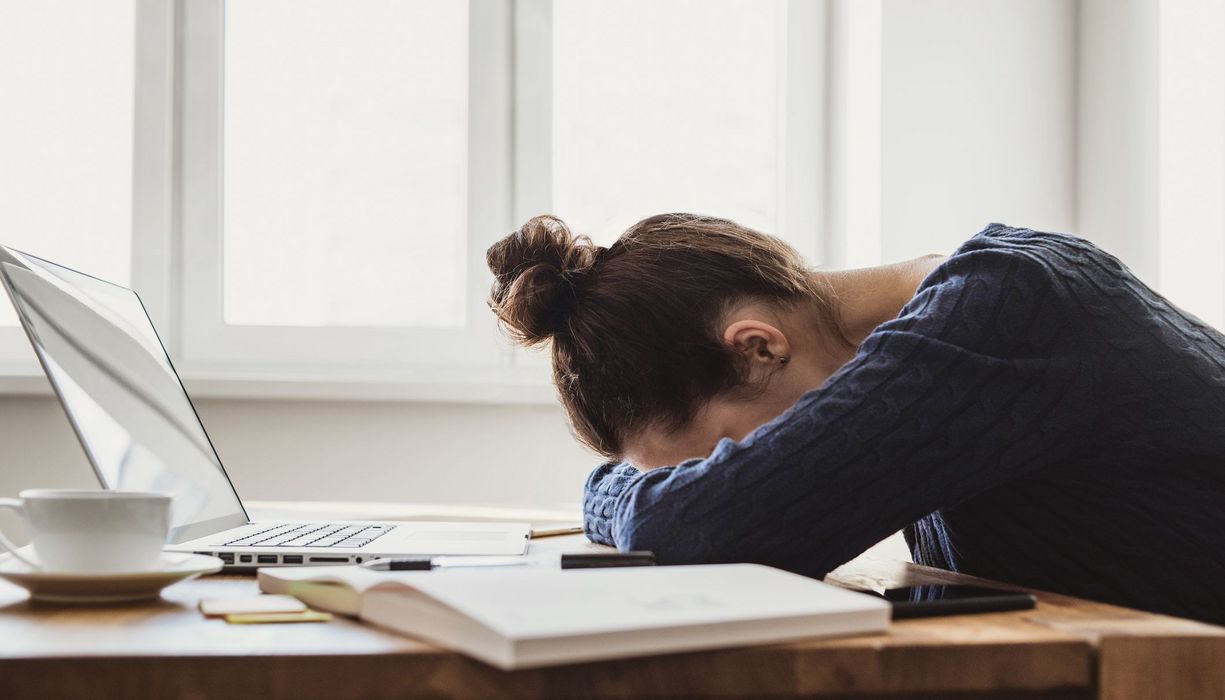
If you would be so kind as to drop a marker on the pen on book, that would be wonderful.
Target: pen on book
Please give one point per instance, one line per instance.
(584, 560)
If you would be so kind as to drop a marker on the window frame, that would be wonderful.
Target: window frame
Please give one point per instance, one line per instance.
(801, 82)
(153, 35)
(801, 79)
(177, 215)
(832, 187)
(209, 344)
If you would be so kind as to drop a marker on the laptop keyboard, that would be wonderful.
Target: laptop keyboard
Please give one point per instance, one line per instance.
(313, 535)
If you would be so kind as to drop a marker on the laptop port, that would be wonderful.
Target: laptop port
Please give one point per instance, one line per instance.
(291, 559)
(244, 558)
(329, 560)
(266, 559)
(227, 557)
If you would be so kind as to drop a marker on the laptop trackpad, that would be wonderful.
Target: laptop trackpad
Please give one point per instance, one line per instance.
(457, 538)
(453, 535)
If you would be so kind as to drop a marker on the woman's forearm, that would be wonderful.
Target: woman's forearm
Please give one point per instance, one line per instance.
(606, 483)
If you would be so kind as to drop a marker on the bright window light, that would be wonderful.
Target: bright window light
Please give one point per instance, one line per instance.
(66, 74)
(664, 106)
(345, 162)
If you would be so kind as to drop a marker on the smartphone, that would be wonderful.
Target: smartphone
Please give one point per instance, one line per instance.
(934, 600)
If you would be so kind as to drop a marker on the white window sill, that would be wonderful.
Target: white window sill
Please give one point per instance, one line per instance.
(499, 385)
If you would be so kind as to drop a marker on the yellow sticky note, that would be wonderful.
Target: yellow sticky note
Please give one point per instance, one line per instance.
(262, 618)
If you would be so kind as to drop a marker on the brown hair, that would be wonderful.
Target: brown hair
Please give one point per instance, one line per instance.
(636, 327)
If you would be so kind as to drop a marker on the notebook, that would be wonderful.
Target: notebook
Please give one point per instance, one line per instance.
(534, 616)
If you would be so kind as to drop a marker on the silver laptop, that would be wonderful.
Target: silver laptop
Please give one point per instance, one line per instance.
(141, 433)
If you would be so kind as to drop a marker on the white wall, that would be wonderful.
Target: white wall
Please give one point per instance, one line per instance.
(1117, 127)
(947, 115)
(978, 105)
(323, 450)
(1151, 168)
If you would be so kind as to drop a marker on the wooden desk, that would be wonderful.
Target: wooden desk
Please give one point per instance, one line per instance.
(1065, 648)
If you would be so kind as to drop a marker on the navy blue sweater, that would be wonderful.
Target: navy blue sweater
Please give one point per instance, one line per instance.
(1034, 414)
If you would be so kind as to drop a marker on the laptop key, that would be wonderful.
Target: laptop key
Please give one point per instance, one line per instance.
(265, 539)
(259, 534)
(325, 542)
(249, 541)
(300, 541)
(242, 533)
(307, 535)
(282, 539)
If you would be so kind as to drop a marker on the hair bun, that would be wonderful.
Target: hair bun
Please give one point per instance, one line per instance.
(536, 270)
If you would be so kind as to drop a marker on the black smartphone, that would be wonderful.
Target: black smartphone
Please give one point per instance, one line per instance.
(933, 600)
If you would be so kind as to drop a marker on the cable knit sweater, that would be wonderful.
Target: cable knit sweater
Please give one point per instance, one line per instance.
(1034, 414)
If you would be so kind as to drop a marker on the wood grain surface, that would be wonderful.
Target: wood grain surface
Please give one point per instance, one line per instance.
(1065, 648)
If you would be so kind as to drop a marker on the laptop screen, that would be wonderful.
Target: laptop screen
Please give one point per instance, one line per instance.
(123, 397)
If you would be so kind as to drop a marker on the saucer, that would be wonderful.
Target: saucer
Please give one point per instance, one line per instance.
(106, 586)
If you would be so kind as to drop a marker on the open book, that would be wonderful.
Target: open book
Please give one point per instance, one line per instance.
(530, 616)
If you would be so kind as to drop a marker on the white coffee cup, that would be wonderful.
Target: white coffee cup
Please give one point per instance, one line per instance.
(91, 531)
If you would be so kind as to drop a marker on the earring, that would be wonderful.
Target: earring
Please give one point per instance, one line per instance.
(784, 360)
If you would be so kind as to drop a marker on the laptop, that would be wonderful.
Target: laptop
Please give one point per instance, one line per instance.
(141, 432)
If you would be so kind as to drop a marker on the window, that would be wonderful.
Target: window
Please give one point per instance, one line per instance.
(344, 163)
(312, 183)
(335, 185)
(665, 106)
(653, 106)
(66, 73)
(304, 189)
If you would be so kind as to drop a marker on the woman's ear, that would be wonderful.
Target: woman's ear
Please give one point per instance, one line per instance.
(763, 346)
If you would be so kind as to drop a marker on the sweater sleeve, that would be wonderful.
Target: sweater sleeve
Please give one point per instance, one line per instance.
(604, 484)
(976, 382)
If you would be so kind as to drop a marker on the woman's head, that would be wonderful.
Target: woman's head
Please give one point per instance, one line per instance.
(649, 334)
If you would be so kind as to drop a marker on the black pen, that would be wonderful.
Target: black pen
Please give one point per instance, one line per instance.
(583, 560)
(425, 563)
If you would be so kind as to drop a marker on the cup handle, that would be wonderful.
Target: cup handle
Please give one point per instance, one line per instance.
(15, 504)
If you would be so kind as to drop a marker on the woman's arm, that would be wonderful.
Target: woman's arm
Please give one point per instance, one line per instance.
(978, 382)
(606, 482)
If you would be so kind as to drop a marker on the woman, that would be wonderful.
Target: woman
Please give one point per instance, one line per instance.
(1025, 408)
